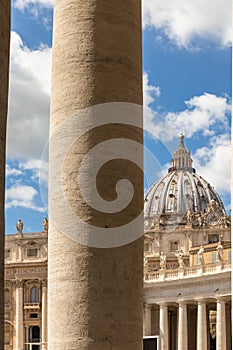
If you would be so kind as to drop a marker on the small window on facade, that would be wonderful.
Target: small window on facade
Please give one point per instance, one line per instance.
(213, 257)
(33, 315)
(229, 254)
(213, 239)
(7, 253)
(32, 252)
(174, 246)
(34, 295)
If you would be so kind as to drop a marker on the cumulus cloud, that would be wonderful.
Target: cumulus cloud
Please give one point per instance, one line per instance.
(203, 114)
(22, 4)
(213, 162)
(22, 196)
(12, 171)
(149, 91)
(38, 168)
(29, 96)
(183, 21)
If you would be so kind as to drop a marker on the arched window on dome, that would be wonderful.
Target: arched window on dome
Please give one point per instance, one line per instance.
(34, 295)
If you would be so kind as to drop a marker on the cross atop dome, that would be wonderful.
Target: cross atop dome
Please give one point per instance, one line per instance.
(181, 158)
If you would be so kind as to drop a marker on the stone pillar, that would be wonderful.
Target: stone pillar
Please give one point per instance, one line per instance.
(182, 327)
(163, 327)
(147, 319)
(19, 333)
(95, 298)
(4, 74)
(44, 315)
(201, 326)
(221, 325)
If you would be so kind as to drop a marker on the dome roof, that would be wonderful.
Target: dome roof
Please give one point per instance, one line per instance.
(181, 189)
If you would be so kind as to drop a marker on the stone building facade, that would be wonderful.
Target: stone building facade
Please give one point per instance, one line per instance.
(187, 261)
(25, 321)
(187, 269)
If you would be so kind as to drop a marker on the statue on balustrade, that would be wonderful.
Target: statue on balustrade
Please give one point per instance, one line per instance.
(220, 251)
(200, 256)
(163, 259)
(19, 226)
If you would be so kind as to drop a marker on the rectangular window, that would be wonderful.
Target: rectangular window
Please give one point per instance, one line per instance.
(213, 239)
(229, 254)
(150, 343)
(32, 252)
(213, 257)
(174, 246)
(33, 315)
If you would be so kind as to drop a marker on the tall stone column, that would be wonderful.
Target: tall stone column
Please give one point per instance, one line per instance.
(221, 325)
(147, 319)
(94, 294)
(44, 315)
(201, 326)
(163, 327)
(182, 327)
(4, 74)
(19, 316)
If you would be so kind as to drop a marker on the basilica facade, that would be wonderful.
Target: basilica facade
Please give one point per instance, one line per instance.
(187, 269)
(187, 262)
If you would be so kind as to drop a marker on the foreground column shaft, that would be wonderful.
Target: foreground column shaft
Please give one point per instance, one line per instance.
(201, 326)
(4, 70)
(94, 294)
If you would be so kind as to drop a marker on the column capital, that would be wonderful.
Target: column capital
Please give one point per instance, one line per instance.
(164, 304)
(201, 301)
(18, 283)
(44, 282)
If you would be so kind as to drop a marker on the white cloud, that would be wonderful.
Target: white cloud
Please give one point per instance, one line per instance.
(149, 91)
(29, 96)
(22, 4)
(183, 21)
(22, 196)
(204, 114)
(214, 163)
(12, 171)
(38, 168)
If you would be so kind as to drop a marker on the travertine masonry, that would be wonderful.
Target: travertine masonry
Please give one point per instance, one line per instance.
(94, 295)
(4, 69)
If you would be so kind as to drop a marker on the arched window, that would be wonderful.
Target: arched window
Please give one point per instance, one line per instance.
(34, 295)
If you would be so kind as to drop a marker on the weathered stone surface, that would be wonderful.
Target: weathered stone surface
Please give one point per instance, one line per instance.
(4, 64)
(94, 295)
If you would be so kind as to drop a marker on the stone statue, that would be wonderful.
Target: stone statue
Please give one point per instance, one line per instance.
(163, 259)
(19, 226)
(45, 224)
(180, 258)
(220, 251)
(200, 256)
(189, 216)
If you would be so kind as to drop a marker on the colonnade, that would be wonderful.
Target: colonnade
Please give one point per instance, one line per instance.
(191, 324)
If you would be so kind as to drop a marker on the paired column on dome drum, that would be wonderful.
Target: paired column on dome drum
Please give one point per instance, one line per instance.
(95, 298)
(4, 75)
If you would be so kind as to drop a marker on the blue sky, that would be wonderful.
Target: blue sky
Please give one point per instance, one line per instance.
(187, 88)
